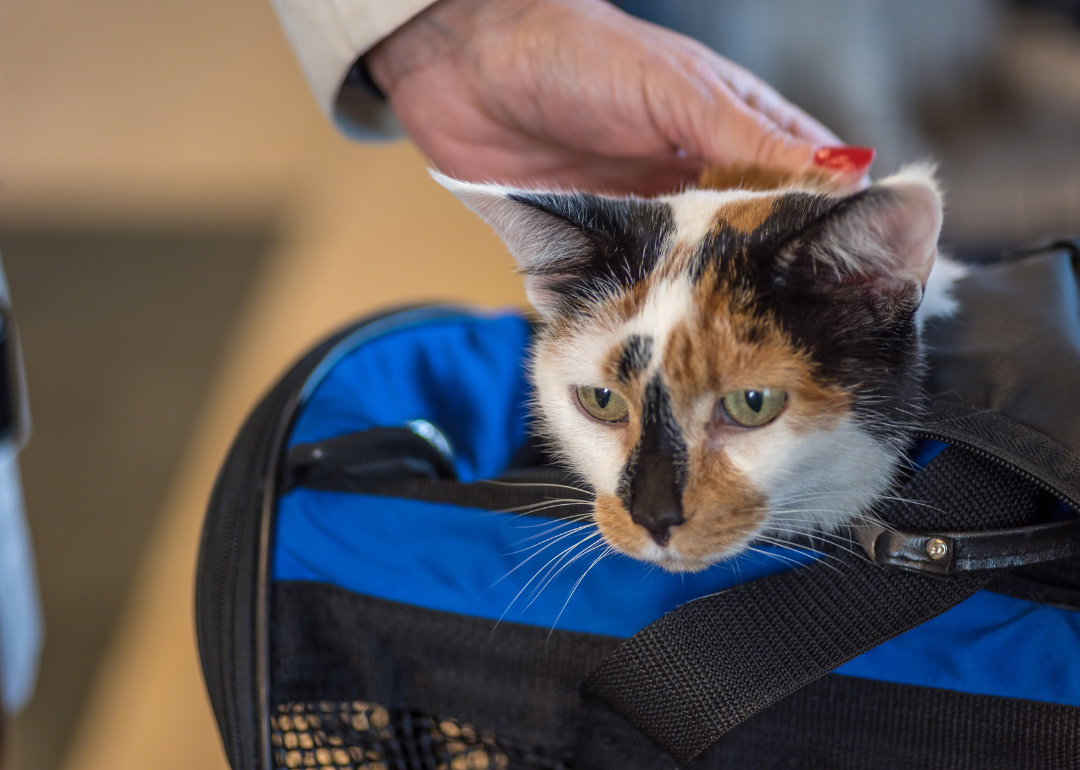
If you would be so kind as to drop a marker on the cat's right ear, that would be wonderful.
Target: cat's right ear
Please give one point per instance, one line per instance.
(545, 243)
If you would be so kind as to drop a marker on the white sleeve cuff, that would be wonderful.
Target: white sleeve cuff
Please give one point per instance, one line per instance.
(327, 37)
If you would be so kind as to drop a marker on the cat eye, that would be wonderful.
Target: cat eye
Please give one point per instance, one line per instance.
(753, 408)
(601, 403)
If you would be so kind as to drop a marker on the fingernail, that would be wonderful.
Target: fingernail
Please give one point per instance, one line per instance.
(847, 159)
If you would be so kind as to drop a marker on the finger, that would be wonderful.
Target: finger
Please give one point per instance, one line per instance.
(762, 98)
(755, 141)
(743, 123)
(851, 165)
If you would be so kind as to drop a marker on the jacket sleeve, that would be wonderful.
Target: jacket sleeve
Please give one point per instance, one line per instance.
(328, 36)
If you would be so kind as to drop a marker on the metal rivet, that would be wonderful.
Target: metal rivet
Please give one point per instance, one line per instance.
(937, 549)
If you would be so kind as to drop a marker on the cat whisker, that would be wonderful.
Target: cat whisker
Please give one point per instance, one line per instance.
(908, 501)
(553, 573)
(873, 520)
(558, 521)
(818, 550)
(835, 541)
(556, 569)
(787, 544)
(791, 515)
(534, 484)
(551, 529)
(820, 495)
(544, 502)
(802, 527)
(554, 538)
(548, 517)
(545, 518)
(784, 506)
(788, 559)
(559, 556)
(607, 551)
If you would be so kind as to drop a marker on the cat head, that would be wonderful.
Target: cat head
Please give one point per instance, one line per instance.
(723, 365)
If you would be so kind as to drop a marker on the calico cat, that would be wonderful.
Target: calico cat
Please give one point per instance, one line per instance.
(720, 365)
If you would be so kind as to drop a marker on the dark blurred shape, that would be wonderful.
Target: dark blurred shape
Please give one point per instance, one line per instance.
(989, 90)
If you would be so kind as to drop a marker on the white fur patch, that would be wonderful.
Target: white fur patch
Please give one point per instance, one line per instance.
(938, 300)
(694, 211)
(817, 482)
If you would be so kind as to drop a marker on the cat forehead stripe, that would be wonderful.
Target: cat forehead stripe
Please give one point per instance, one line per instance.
(635, 357)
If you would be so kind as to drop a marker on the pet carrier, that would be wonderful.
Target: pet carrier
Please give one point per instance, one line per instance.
(393, 575)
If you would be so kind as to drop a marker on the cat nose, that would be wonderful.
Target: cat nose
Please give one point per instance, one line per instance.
(658, 523)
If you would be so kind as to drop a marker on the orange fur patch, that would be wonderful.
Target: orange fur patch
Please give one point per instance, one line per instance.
(764, 179)
(722, 348)
(617, 527)
(721, 507)
(748, 215)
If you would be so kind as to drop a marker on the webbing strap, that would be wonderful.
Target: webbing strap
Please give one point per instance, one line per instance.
(703, 668)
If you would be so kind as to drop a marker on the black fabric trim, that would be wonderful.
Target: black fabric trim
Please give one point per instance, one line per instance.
(518, 681)
(329, 644)
(848, 723)
(517, 488)
(1025, 451)
(1055, 583)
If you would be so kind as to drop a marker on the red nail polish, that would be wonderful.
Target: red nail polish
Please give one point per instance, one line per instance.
(848, 159)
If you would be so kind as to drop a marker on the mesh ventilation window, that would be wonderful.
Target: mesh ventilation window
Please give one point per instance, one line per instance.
(365, 736)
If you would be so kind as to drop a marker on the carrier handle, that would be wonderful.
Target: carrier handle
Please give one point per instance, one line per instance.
(949, 553)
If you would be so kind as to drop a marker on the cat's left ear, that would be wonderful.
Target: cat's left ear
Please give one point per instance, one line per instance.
(887, 233)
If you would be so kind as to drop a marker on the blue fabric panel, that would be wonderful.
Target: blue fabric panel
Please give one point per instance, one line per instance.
(479, 563)
(464, 376)
(486, 564)
(924, 451)
(988, 645)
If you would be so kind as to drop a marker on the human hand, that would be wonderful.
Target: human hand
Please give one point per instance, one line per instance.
(578, 93)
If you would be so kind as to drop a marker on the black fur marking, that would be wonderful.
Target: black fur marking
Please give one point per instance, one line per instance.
(654, 478)
(791, 214)
(863, 341)
(858, 336)
(623, 240)
(635, 357)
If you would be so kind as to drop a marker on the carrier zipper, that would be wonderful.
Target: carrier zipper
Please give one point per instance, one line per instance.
(243, 482)
(245, 487)
(1027, 475)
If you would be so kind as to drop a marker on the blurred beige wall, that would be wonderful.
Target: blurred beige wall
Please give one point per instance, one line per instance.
(134, 115)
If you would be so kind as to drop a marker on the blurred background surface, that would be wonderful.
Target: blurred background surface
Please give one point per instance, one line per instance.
(178, 223)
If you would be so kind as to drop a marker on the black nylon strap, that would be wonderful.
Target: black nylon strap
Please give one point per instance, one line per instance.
(707, 666)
